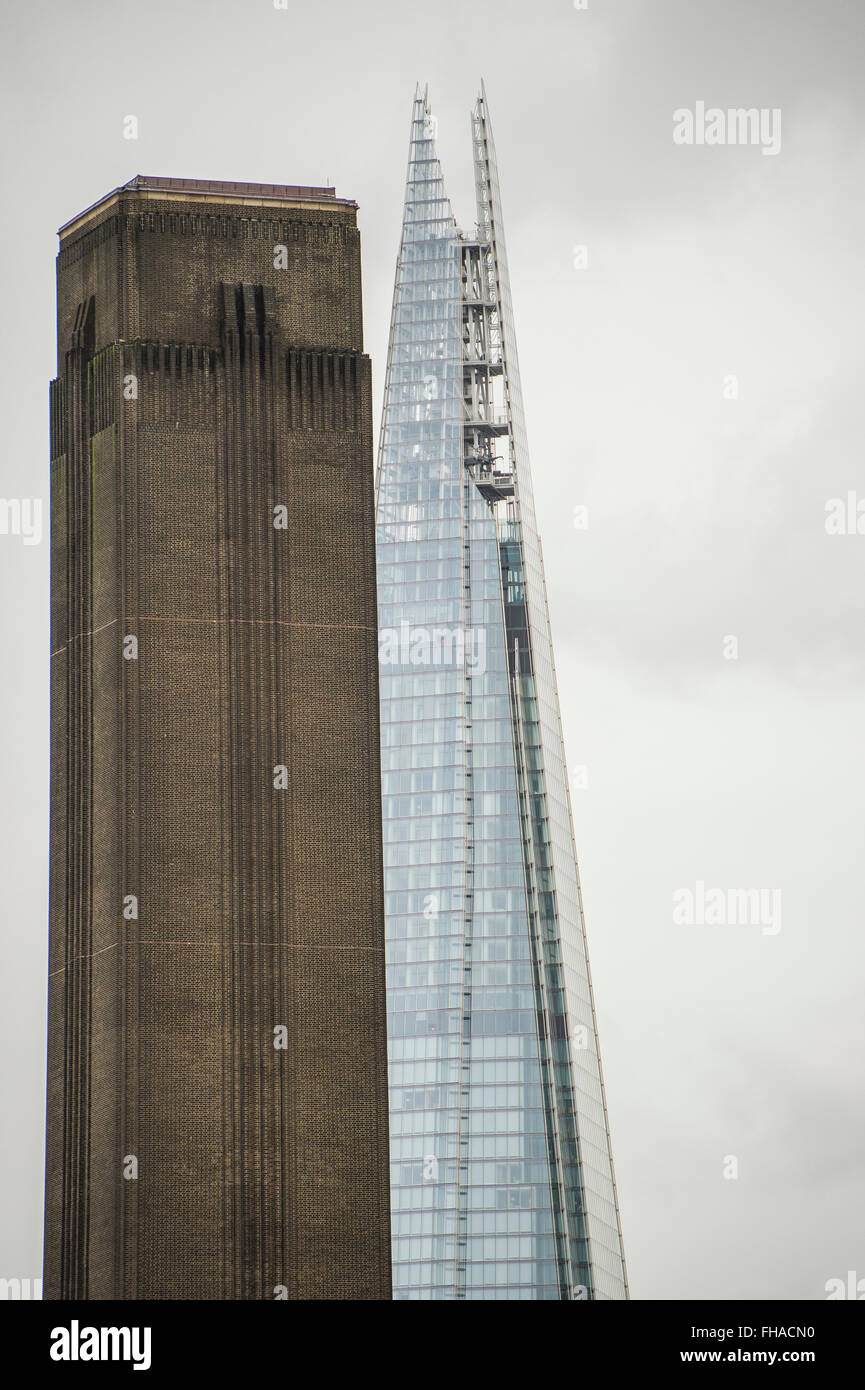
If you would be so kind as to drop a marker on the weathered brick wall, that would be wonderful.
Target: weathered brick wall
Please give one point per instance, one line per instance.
(257, 906)
(159, 265)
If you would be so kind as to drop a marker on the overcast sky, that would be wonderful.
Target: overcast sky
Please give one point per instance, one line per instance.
(706, 502)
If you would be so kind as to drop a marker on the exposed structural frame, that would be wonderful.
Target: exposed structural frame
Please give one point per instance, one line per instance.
(511, 480)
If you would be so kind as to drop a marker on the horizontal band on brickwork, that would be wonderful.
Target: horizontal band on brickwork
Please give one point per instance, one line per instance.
(148, 187)
(286, 192)
(222, 946)
(338, 226)
(218, 622)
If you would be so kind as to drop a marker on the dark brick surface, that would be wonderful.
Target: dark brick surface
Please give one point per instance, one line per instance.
(256, 647)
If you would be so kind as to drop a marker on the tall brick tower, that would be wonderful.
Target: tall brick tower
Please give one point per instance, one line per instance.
(217, 1103)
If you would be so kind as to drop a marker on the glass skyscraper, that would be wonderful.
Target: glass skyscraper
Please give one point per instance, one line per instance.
(502, 1178)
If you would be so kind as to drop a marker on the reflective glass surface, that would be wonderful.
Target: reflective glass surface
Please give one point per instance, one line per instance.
(500, 1168)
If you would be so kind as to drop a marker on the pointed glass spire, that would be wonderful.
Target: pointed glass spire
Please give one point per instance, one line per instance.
(501, 1174)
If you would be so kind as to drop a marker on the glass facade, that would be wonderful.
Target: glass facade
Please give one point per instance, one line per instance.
(501, 1173)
